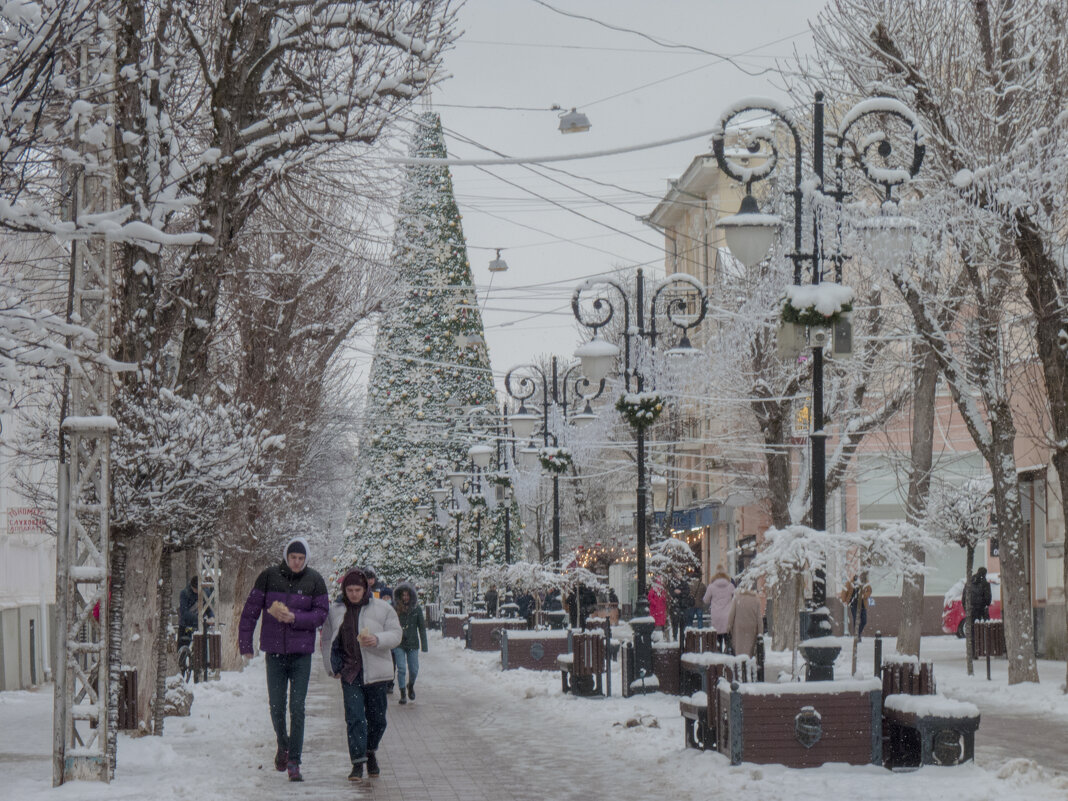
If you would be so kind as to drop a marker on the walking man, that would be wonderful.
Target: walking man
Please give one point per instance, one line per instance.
(295, 600)
(357, 641)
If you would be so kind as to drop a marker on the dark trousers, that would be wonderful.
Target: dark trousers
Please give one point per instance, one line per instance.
(287, 675)
(863, 619)
(365, 717)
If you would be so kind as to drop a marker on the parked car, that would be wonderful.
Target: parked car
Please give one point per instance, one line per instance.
(953, 605)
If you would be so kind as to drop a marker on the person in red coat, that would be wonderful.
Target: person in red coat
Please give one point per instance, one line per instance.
(657, 596)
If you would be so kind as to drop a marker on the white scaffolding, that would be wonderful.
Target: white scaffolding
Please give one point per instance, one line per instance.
(84, 712)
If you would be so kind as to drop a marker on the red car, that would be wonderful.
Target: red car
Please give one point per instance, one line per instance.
(953, 606)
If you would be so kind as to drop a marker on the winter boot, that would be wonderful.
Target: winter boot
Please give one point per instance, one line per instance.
(356, 774)
(372, 764)
(411, 690)
(404, 696)
(294, 772)
(281, 757)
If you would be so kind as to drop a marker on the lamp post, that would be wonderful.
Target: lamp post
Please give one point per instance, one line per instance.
(683, 310)
(750, 233)
(502, 450)
(522, 386)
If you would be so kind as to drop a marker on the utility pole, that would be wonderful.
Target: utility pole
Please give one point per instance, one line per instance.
(85, 714)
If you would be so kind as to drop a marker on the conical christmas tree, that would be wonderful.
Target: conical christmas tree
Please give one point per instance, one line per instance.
(430, 367)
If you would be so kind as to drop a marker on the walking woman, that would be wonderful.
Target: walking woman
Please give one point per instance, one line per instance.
(359, 634)
(413, 627)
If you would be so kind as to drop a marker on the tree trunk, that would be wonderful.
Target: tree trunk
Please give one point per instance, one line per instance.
(141, 617)
(925, 382)
(162, 640)
(1013, 553)
(115, 613)
(1045, 296)
(239, 574)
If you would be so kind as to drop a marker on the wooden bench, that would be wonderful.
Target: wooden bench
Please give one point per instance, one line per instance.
(580, 670)
(701, 709)
(928, 730)
(908, 676)
(699, 641)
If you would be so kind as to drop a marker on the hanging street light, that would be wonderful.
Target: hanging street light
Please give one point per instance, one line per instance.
(639, 330)
(554, 393)
(574, 122)
(498, 265)
(751, 234)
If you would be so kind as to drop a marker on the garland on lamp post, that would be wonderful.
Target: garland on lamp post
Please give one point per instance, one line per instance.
(817, 305)
(555, 460)
(640, 409)
(500, 479)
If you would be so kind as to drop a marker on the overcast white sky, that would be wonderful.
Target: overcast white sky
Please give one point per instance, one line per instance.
(520, 53)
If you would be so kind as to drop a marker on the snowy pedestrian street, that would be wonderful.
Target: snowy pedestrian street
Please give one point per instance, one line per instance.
(476, 732)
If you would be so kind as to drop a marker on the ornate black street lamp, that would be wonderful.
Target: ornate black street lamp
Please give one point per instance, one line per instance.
(682, 301)
(522, 383)
(750, 234)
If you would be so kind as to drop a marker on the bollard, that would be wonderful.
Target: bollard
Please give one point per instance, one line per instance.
(878, 654)
(608, 658)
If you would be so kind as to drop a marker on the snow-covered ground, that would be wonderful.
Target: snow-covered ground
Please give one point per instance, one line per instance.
(221, 751)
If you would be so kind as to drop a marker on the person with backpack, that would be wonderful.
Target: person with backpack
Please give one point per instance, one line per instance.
(413, 638)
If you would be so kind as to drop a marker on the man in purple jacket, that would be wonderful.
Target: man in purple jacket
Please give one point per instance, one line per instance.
(296, 602)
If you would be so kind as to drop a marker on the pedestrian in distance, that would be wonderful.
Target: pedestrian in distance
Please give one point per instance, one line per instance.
(413, 638)
(491, 598)
(525, 603)
(374, 586)
(718, 595)
(681, 604)
(359, 636)
(295, 602)
(855, 594)
(187, 611)
(980, 595)
(744, 621)
(657, 598)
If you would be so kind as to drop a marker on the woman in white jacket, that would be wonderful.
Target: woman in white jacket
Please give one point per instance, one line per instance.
(359, 634)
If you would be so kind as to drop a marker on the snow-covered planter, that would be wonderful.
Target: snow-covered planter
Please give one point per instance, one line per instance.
(640, 409)
(555, 460)
(816, 304)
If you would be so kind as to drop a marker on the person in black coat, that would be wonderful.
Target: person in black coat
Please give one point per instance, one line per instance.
(980, 596)
(525, 602)
(681, 602)
(491, 598)
(187, 611)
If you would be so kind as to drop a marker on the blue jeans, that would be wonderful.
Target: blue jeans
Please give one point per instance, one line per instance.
(288, 674)
(411, 657)
(365, 717)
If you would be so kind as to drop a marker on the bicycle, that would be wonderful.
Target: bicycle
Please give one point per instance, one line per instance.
(185, 653)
